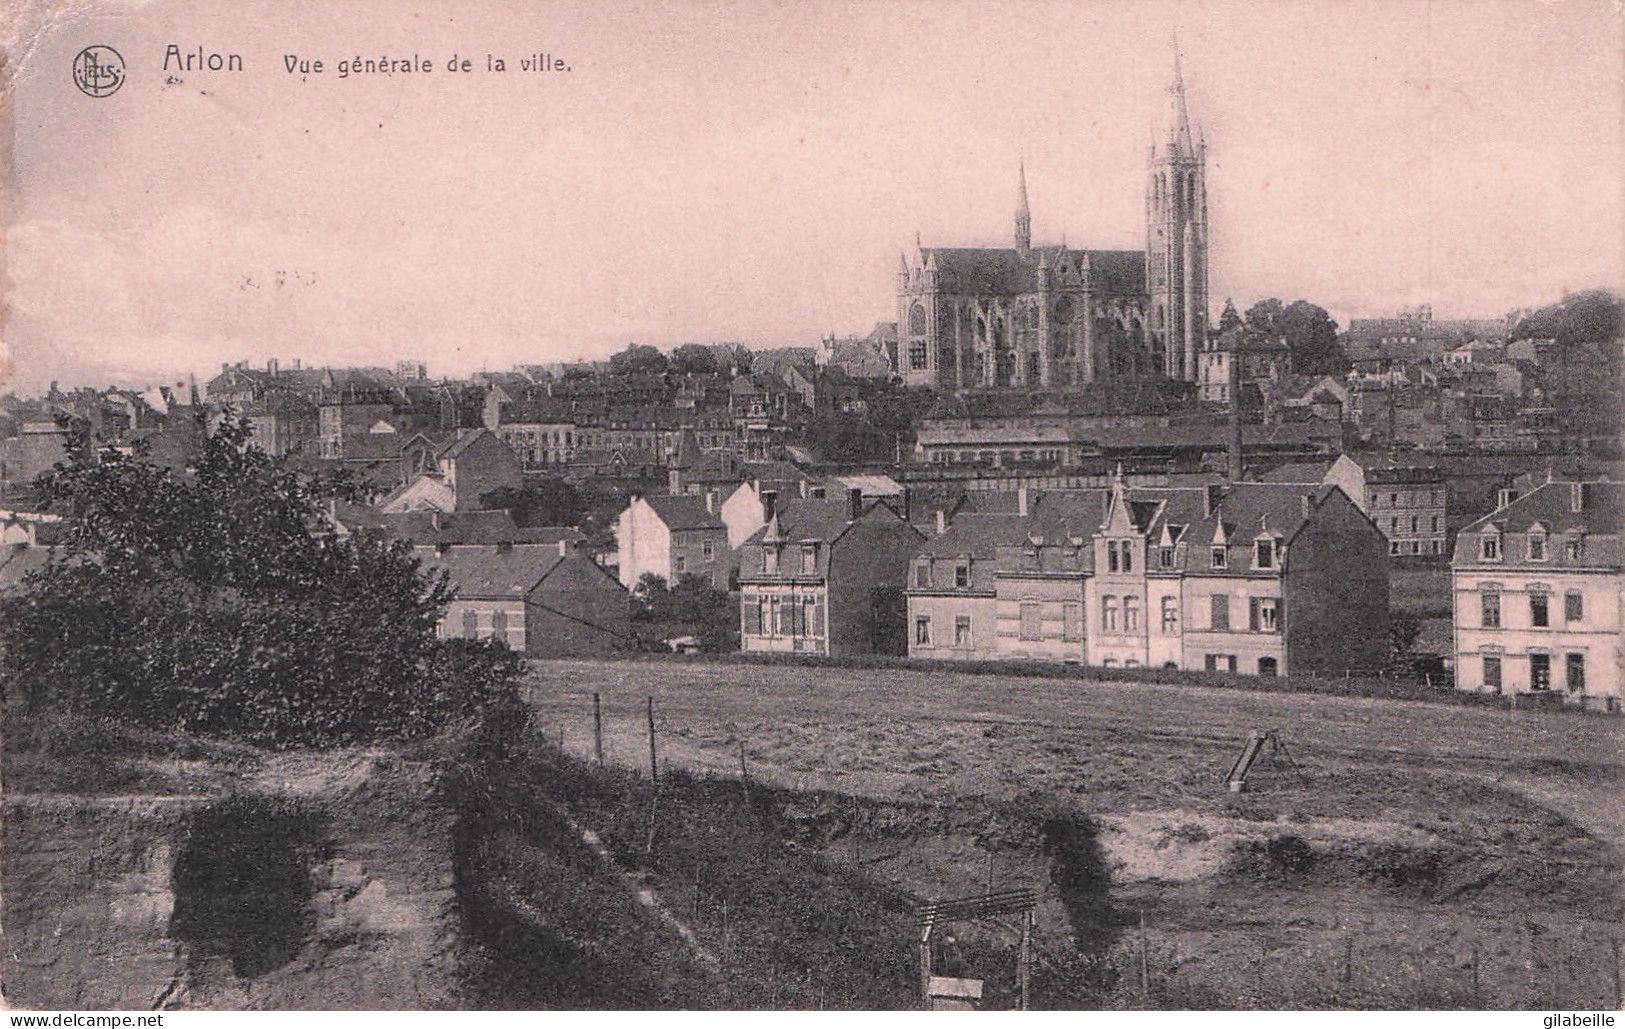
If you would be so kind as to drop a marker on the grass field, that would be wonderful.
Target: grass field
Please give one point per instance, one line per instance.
(1413, 854)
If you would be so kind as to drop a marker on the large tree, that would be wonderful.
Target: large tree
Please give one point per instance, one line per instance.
(218, 600)
(694, 359)
(1310, 334)
(638, 359)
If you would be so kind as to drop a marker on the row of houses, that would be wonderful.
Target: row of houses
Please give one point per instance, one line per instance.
(1259, 578)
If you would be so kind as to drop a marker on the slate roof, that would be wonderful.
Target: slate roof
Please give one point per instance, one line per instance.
(1600, 523)
(1003, 270)
(459, 446)
(467, 527)
(489, 572)
(977, 536)
(684, 512)
(1249, 509)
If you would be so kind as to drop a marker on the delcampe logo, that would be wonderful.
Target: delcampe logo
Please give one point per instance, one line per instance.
(98, 71)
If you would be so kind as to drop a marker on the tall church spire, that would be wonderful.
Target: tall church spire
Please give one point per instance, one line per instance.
(1179, 121)
(1024, 217)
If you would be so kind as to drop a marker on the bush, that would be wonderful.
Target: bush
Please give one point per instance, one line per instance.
(221, 602)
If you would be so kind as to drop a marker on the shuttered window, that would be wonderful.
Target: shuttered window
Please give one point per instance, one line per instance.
(753, 615)
(1221, 611)
(1032, 620)
(1072, 621)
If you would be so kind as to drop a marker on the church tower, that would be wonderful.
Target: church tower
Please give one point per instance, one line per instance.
(1176, 238)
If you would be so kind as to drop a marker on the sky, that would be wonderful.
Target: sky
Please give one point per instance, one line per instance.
(750, 171)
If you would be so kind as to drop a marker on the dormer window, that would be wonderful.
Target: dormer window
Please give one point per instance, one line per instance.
(962, 575)
(809, 558)
(1264, 553)
(770, 559)
(1165, 557)
(1573, 548)
(1537, 546)
(922, 574)
(1218, 558)
(1489, 546)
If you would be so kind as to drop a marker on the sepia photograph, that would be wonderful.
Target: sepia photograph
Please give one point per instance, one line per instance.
(841, 506)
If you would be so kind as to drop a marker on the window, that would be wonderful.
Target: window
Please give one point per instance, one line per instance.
(499, 626)
(1393, 548)
(471, 623)
(962, 575)
(1170, 615)
(1573, 606)
(1219, 662)
(1540, 671)
(922, 631)
(1576, 671)
(962, 636)
(1490, 610)
(1492, 672)
(1393, 525)
(1539, 613)
(770, 560)
(1131, 614)
(708, 550)
(809, 559)
(679, 564)
(1128, 555)
(1217, 557)
(1108, 614)
(1433, 524)
(922, 575)
(1572, 549)
(814, 616)
(1071, 621)
(1165, 557)
(1111, 555)
(791, 615)
(1489, 547)
(1032, 620)
(1537, 546)
(1415, 521)
(1268, 666)
(1264, 614)
(1264, 553)
(916, 354)
(1220, 608)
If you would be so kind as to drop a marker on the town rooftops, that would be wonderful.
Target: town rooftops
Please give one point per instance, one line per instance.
(1245, 512)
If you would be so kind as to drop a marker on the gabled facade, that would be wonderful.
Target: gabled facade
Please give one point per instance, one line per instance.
(1537, 591)
(672, 536)
(827, 577)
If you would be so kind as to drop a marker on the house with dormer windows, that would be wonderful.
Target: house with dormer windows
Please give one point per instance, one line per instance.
(1537, 595)
(826, 576)
(1257, 578)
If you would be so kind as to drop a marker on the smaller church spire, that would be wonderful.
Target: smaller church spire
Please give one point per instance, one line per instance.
(1024, 217)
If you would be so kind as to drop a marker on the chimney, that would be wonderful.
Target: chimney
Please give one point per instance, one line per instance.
(854, 504)
(803, 485)
(1021, 501)
(225, 366)
(1577, 499)
(296, 364)
(434, 520)
(271, 366)
(564, 548)
(770, 504)
(942, 521)
(710, 501)
(1210, 499)
(1307, 499)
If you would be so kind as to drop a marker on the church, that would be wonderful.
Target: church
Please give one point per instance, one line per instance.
(1053, 316)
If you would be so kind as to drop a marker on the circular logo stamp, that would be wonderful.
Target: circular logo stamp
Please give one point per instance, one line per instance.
(98, 71)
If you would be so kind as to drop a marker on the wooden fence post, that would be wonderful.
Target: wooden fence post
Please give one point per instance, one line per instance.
(1619, 997)
(1024, 961)
(1145, 970)
(598, 728)
(1477, 1000)
(654, 773)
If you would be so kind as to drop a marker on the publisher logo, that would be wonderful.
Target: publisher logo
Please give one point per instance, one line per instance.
(98, 71)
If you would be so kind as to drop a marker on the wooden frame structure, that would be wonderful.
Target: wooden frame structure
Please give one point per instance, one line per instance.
(983, 905)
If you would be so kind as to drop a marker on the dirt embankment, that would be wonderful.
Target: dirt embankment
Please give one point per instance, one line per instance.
(324, 883)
